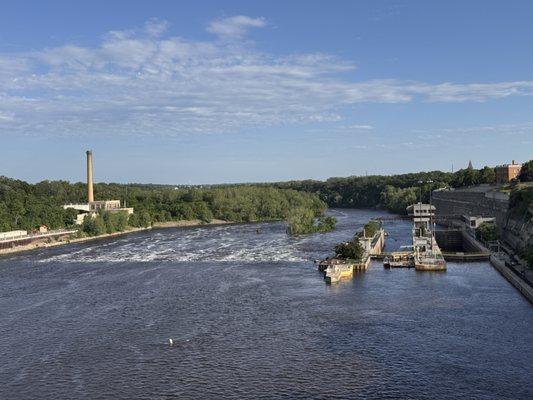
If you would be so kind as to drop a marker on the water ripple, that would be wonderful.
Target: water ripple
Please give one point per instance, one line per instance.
(252, 318)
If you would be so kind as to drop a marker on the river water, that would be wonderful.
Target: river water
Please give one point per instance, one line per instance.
(251, 317)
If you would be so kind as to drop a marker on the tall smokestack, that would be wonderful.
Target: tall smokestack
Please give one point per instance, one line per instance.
(90, 194)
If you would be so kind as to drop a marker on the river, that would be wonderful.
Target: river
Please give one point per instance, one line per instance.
(251, 317)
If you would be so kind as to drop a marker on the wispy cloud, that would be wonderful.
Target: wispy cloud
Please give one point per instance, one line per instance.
(525, 128)
(387, 12)
(234, 27)
(155, 27)
(145, 82)
(6, 117)
(357, 127)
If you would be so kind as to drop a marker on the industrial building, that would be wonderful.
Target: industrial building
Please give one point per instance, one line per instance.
(92, 207)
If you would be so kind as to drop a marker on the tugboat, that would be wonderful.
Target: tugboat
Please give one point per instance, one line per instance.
(335, 272)
(430, 261)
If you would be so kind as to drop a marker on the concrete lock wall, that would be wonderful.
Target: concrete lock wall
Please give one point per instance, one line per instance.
(518, 283)
(457, 202)
(450, 240)
(514, 230)
(457, 240)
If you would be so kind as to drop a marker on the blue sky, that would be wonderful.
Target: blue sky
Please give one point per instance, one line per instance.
(241, 91)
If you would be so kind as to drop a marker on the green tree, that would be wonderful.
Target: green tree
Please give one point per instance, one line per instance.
(526, 172)
(301, 221)
(202, 211)
(397, 199)
(351, 250)
(133, 220)
(371, 228)
(93, 225)
(487, 175)
(144, 219)
(487, 232)
(326, 223)
(121, 222)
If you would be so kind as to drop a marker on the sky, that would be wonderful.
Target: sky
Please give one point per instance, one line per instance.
(253, 91)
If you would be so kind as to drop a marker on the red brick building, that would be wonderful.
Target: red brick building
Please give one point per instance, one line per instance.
(507, 172)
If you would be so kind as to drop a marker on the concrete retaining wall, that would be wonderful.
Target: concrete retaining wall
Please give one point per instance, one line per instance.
(458, 240)
(459, 202)
(513, 279)
(450, 240)
(378, 244)
(518, 231)
(472, 245)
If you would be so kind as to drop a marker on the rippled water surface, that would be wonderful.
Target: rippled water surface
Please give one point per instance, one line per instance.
(252, 318)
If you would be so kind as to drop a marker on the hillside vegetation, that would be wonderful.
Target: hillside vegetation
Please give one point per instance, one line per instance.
(392, 192)
(26, 206)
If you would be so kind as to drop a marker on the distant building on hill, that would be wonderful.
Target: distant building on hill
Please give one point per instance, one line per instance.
(507, 172)
(92, 207)
(470, 165)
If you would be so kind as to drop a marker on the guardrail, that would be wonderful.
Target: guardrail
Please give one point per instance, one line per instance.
(39, 235)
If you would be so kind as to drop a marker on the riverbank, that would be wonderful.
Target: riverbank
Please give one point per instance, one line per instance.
(62, 242)
(158, 225)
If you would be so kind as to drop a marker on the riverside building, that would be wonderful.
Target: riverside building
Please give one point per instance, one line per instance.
(92, 207)
(507, 172)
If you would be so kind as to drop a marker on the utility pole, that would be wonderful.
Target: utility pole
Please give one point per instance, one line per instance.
(431, 215)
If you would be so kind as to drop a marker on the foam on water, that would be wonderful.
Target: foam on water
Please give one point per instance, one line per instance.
(228, 243)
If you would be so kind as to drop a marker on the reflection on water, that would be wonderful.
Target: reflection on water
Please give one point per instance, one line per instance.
(252, 318)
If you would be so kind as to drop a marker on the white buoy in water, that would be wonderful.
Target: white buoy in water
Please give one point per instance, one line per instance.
(170, 342)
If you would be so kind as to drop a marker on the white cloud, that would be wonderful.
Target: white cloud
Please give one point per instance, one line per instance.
(155, 27)
(358, 127)
(234, 27)
(525, 128)
(6, 117)
(145, 82)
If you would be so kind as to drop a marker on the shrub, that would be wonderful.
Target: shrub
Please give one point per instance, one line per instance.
(486, 232)
(326, 223)
(350, 250)
(371, 228)
(302, 221)
(526, 173)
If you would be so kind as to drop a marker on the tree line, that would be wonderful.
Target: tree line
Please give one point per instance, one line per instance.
(395, 192)
(26, 206)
